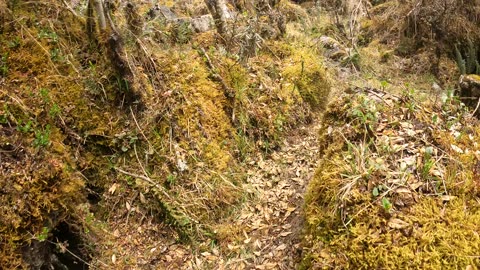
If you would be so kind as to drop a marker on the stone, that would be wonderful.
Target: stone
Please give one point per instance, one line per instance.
(469, 89)
(203, 23)
(333, 49)
(471, 82)
(163, 12)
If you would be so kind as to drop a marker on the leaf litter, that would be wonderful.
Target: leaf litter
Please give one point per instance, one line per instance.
(271, 217)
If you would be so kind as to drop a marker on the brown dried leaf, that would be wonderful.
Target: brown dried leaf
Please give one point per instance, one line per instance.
(113, 188)
(396, 223)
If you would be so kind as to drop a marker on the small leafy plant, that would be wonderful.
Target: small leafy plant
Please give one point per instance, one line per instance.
(48, 34)
(387, 205)
(42, 137)
(43, 235)
(54, 110)
(45, 94)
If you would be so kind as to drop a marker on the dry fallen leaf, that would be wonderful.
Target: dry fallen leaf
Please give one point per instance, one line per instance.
(396, 223)
(113, 188)
(447, 198)
(142, 198)
(456, 149)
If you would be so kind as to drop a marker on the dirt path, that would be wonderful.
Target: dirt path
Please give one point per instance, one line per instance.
(272, 222)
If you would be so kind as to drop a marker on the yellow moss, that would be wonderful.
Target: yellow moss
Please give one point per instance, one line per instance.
(305, 71)
(292, 11)
(353, 230)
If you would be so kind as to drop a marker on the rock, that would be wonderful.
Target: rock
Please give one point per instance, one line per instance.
(203, 23)
(227, 13)
(329, 43)
(469, 89)
(334, 49)
(163, 12)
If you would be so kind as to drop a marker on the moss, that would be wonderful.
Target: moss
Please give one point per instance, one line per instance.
(305, 71)
(347, 226)
(176, 138)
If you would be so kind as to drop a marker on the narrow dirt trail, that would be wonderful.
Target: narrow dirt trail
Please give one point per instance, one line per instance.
(272, 221)
(276, 219)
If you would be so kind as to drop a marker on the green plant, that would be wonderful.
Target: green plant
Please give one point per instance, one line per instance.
(130, 180)
(171, 179)
(54, 110)
(89, 219)
(27, 127)
(352, 59)
(365, 111)
(376, 190)
(182, 32)
(243, 144)
(45, 94)
(384, 84)
(387, 205)
(467, 62)
(14, 43)
(55, 55)
(428, 162)
(3, 119)
(42, 137)
(43, 235)
(48, 34)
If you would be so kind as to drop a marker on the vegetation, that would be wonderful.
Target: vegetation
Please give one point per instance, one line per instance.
(179, 135)
(385, 197)
(117, 129)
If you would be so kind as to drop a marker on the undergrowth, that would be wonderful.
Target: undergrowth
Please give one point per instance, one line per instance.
(144, 133)
(396, 187)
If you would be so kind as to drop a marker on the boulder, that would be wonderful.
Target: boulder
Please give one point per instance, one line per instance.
(162, 12)
(469, 89)
(333, 48)
(203, 23)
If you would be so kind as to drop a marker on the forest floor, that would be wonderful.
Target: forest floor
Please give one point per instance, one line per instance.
(272, 219)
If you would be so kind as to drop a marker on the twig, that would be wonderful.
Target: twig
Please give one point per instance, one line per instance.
(476, 108)
(144, 178)
(63, 247)
(141, 131)
(138, 160)
(70, 9)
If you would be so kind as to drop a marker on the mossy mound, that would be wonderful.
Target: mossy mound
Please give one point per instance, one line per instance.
(42, 100)
(102, 132)
(397, 185)
(309, 77)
